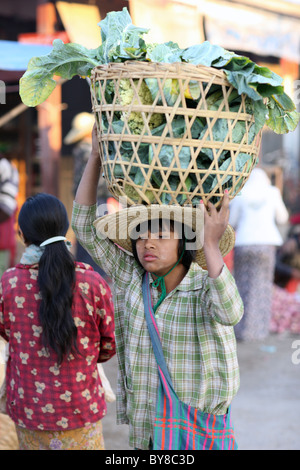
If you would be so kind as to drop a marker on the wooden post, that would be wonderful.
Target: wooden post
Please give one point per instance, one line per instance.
(49, 115)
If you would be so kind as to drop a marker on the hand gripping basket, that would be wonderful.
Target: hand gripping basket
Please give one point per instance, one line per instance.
(191, 141)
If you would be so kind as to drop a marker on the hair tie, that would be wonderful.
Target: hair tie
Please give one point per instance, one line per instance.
(53, 240)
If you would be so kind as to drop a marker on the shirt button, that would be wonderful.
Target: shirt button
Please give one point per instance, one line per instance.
(157, 316)
(150, 400)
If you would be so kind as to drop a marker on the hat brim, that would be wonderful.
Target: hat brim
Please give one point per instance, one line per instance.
(74, 136)
(120, 226)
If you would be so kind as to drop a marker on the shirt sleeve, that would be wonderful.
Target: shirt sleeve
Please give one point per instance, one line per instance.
(114, 261)
(226, 304)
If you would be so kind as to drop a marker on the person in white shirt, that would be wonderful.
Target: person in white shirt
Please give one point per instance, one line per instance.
(255, 214)
(9, 187)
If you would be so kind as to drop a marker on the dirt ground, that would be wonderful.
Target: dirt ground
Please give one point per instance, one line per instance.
(265, 412)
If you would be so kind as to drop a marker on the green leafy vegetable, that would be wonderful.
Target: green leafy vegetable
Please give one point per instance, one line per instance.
(65, 60)
(240, 161)
(168, 52)
(127, 97)
(122, 41)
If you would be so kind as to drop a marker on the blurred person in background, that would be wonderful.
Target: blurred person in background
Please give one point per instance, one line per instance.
(9, 187)
(286, 292)
(254, 214)
(80, 134)
(287, 272)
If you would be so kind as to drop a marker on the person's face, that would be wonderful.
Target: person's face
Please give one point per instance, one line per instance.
(157, 250)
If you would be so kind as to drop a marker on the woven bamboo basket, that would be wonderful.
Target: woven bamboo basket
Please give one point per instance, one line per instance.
(147, 157)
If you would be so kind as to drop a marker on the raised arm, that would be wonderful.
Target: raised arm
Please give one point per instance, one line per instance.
(215, 223)
(224, 300)
(86, 194)
(115, 262)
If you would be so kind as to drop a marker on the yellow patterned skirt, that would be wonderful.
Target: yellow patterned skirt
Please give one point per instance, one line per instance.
(87, 438)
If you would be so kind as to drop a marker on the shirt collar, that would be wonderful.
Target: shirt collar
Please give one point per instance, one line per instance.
(193, 280)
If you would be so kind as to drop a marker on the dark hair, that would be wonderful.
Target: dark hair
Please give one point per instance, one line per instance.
(158, 224)
(41, 217)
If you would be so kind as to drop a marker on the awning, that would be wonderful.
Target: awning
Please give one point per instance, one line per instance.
(14, 58)
(243, 28)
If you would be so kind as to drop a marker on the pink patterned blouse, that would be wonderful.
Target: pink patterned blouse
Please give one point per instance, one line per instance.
(40, 394)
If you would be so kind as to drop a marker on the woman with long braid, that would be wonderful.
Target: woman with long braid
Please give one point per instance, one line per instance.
(57, 315)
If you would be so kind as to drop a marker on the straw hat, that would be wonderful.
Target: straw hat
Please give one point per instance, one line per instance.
(82, 125)
(120, 226)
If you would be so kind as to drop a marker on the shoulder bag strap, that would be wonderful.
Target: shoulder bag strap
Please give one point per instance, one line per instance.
(154, 333)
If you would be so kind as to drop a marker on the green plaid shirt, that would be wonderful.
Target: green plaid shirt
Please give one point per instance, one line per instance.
(196, 327)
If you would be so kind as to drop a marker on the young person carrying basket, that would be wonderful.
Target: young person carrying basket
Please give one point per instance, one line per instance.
(195, 310)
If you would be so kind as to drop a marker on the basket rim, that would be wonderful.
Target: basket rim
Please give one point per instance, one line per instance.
(148, 66)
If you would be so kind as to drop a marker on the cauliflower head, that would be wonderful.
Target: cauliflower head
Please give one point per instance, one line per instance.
(135, 119)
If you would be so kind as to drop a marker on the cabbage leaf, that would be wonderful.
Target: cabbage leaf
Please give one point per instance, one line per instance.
(121, 41)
